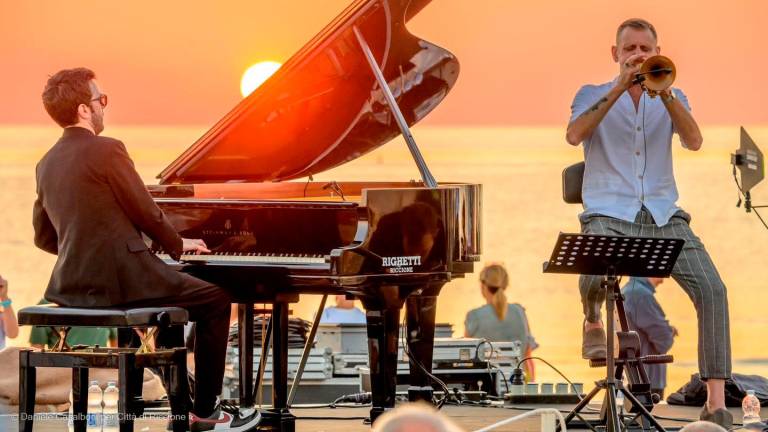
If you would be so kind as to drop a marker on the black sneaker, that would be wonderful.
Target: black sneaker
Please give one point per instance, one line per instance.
(226, 418)
(593, 346)
(721, 416)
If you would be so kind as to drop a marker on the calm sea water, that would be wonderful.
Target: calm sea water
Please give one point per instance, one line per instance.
(522, 214)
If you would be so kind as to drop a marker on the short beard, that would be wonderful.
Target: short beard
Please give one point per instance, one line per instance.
(97, 123)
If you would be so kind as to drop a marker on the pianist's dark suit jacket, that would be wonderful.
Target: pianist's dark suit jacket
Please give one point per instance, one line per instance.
(91, 207)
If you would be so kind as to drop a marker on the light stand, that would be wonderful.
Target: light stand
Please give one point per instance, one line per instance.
(751, 164)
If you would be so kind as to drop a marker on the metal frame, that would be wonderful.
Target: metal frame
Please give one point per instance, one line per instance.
(61, 344)
(610, 418)
(426, 175)
(146, 340)
(307, 348)
(130, 365)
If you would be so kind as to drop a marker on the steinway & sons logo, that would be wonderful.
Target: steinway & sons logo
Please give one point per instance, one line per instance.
(401, 264)
(227, 231)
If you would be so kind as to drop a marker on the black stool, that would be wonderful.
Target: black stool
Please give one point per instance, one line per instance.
(130, 362)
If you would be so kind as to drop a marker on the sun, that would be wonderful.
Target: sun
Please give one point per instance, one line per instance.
(255, 75)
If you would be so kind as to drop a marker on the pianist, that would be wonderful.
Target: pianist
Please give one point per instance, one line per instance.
(91, 210)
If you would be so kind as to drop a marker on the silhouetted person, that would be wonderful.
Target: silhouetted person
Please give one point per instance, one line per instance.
(647, 318)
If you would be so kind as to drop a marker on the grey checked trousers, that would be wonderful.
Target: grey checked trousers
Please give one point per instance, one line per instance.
(693, 271)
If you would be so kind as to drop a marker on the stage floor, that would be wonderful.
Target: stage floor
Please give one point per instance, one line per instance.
(469, 418)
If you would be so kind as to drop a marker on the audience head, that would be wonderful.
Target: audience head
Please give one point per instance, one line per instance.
(414, 418)
(343, 303)
(493, 283)
(702, 426)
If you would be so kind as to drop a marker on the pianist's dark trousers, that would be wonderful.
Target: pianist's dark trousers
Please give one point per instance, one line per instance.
(208, 307)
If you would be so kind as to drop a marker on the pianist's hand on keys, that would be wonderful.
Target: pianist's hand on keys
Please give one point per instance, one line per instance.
(195, 246)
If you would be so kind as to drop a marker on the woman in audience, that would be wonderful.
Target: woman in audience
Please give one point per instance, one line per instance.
(8, 325)
(498, 320)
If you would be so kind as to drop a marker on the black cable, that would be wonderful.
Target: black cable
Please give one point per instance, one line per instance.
(591, 410)
(358, 398)
(480, 404)
(675, 419)
(550, 365)
(334, 187)
(309, 179)
(645, 157)
(330, 405)
(504, 377)
(411, 359)
(488, 363)
(760, 217)
(738, 186)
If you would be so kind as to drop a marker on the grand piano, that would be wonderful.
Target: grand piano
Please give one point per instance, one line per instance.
(362, 81)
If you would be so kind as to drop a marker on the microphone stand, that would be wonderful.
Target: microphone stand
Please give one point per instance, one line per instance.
(748, 203)
(736, 160)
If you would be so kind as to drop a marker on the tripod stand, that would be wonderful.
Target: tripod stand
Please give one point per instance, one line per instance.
(612, 256)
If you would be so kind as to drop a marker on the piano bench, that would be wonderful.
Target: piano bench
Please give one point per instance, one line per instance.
(130, 362)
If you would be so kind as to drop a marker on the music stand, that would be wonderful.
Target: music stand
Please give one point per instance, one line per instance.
(612, 256)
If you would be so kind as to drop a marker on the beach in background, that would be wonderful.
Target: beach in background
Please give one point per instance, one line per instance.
(523, 212)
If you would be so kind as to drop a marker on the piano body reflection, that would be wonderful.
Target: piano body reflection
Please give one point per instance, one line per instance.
(355, 86)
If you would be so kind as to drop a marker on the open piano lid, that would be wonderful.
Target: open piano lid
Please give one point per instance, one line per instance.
(323, 107)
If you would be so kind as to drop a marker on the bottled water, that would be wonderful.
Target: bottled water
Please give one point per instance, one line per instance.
(111, 394)
(95, 414)
(619, 401)
(751, 406)
(620, 407)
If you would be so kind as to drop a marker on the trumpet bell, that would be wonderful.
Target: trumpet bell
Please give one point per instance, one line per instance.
(658, 73)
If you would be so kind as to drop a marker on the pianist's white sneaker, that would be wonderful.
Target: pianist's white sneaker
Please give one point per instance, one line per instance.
(226, 418)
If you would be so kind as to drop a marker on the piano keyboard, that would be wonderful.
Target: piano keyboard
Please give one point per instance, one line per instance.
(248, 258)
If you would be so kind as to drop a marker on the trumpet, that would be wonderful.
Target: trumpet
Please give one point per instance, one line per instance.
(656, 74)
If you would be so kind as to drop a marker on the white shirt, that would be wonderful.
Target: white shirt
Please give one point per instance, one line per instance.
(335, 315)
(629, 156)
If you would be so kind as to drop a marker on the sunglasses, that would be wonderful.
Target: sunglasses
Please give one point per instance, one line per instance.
(102, 98)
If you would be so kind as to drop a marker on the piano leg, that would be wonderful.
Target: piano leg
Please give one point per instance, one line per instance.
(245, 345)
(420, 322)
(383, 326)
(279, 417)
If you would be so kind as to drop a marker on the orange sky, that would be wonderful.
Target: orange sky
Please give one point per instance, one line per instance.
(522, 61)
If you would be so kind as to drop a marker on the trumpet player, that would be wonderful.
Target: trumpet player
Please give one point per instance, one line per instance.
(629, 189)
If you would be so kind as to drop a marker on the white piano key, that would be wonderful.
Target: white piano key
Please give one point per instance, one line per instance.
(247, 258)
